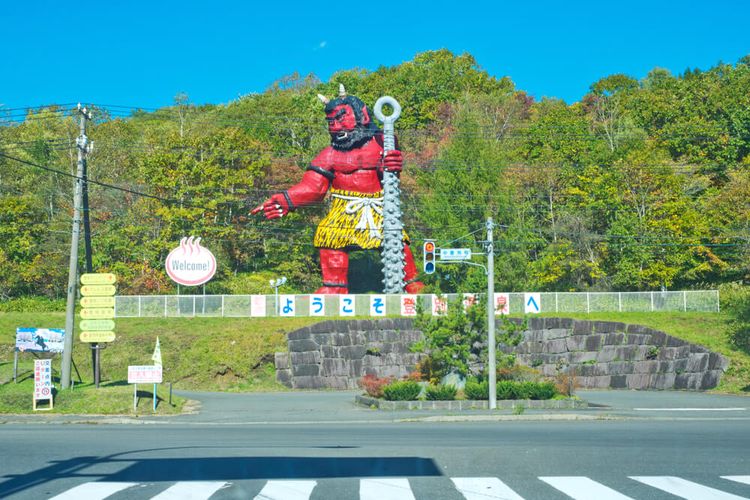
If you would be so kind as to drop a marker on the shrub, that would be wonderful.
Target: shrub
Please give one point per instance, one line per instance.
(441, 392)
(736, 301)
(505, 389)
(32, 304)
(479, 391)
(543, 390)
(373, 385)
(403, 390)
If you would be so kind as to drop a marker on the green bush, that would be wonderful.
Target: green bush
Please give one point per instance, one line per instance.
(403, 390)
(478, 391)
(505, 389)
(441, 392)
(32, 304)
(735, 299)
(544, 390)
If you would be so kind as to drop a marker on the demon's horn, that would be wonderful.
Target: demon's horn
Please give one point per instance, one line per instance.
(342, 90)
(323, 99)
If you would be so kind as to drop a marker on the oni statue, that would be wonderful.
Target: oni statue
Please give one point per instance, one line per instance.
(352, 168)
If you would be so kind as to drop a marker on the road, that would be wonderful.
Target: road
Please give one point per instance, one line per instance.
(693, 452)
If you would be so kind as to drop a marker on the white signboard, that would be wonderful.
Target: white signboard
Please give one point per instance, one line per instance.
(408, 305)
(377, 305)
(346, 305)
(470, 299)
(286, 305)
(144, 374)
(439, 305)
(532, 303)
(42, 379)
(191, 263)
(455, 254)
(502, 304)
(257, 306)
(317, 305)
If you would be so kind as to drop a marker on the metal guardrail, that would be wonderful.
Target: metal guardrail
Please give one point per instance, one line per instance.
(141, 306)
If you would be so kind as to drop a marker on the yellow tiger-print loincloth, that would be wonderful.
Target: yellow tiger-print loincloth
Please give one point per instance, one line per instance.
(354, 220)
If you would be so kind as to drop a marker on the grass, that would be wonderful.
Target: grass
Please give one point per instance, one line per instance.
(211, 354)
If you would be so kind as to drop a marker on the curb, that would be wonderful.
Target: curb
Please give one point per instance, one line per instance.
(466, 404)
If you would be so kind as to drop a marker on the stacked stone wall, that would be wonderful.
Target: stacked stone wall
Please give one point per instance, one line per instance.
(601, 354)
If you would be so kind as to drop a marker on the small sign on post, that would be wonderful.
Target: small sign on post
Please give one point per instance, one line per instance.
(455, 254)
(144, 374)
(43, 383)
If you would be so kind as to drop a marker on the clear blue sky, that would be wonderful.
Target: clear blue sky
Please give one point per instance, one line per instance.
(142, 53)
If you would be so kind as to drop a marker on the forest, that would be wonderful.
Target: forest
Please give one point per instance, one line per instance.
(642, 185)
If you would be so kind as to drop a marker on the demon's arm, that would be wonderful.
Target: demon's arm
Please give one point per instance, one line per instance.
(311, 189)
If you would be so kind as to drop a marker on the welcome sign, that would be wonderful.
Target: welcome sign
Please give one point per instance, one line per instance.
(191, 263)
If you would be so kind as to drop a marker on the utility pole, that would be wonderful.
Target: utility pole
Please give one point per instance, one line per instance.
(491, 344)
(83, 148)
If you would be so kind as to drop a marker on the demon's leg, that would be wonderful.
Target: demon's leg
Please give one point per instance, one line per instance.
(334, 265)
(410, 272)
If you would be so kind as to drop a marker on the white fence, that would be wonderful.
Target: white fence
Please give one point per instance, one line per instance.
(139, 306)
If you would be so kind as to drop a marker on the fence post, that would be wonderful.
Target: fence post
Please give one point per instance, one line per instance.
(588, 303)
(718, 302)
(619, 301)
(222, 305)
(652, 301)
(556, 310)
(684, 300)
(165, 305)
(139, 306)
(194, 306)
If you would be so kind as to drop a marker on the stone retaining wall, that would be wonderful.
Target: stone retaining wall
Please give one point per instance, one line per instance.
(601, 354)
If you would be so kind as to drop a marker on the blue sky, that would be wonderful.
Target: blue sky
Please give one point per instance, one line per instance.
(142, 53)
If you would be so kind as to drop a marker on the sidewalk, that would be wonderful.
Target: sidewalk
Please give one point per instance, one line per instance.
(321, 407)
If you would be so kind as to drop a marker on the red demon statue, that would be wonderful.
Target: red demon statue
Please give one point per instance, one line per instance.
(352, 167)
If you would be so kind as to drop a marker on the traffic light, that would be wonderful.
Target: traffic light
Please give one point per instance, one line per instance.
(429, 257)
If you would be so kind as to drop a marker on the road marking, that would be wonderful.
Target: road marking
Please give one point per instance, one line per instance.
(484, 488)
(385, 489)
(685, 489)
(690, 409)
(92, 491)
(583, 488)
(191, 490)
(739, 479)
(283, 490)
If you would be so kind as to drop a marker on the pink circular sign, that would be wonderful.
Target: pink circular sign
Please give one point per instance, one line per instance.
(191, 263)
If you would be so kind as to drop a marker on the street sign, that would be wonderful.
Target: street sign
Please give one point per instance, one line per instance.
(97, 301)
(97, 290)
(98, 313)
(98, 279)
(97, 336)
(455, 254)
(97, 324)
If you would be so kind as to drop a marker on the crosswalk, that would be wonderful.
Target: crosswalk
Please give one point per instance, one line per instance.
(400, 488)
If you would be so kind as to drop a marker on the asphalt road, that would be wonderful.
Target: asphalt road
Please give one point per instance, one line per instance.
(697, 446)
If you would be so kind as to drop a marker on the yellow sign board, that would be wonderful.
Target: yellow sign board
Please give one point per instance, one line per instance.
(97, 337)
(97, 324)
(97, 290)
(98, 313)
(98, 301)
(98, 279)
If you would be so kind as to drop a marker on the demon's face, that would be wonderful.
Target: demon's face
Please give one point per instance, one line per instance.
(348, 123)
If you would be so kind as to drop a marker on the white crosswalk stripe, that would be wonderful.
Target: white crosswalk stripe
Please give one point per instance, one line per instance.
(685, 489)
(484, 488)
(386, 488)
(286, 490)
(92, 491)
(583, 488)
(192, 490)
(738, 479)
(399, 488)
